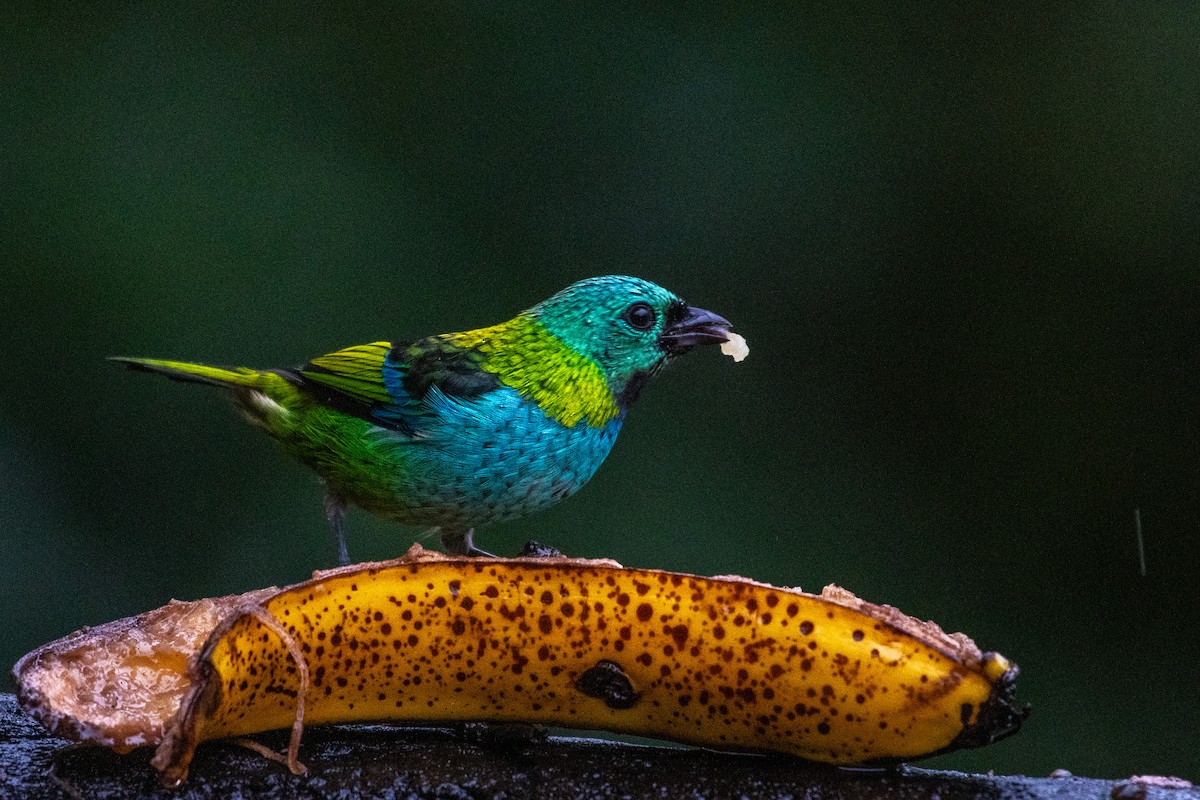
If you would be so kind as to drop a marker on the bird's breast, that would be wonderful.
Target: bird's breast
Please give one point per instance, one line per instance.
(499, 457)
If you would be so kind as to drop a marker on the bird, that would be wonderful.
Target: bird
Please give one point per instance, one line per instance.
(459, 430)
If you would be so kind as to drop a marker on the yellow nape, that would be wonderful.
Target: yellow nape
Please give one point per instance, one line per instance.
(569, 386)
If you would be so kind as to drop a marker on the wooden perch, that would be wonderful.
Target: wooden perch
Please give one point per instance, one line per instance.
(386, 761)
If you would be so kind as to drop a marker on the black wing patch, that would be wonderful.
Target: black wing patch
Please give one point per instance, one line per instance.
(434, 362)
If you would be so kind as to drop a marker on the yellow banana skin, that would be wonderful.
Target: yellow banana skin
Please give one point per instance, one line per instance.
(720, 662)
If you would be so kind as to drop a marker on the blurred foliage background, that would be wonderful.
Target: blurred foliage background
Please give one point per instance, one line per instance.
(961, 240)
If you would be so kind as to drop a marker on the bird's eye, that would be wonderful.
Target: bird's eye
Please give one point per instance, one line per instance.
(640, 316)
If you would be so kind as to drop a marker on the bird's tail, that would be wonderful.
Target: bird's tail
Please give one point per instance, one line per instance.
(229, 378)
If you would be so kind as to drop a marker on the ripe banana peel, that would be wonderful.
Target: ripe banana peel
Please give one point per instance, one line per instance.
(721, 662)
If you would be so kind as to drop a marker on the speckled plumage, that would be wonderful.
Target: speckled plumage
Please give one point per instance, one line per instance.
(463, 429)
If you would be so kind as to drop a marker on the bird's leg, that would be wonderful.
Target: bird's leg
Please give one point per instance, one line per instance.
(335, 512)
(458, 542)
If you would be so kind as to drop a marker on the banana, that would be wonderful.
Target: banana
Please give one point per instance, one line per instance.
(720, 662)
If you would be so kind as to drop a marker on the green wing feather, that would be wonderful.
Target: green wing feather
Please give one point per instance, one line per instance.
(357, 372)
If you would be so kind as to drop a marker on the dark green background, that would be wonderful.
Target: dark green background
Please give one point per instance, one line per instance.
(962, 243)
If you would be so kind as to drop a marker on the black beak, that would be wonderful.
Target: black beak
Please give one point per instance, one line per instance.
(697, 327)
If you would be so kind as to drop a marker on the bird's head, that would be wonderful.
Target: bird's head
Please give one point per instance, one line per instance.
(628, 326)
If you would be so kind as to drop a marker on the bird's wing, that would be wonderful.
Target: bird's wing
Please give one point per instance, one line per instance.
(387, 383)
(437, 363)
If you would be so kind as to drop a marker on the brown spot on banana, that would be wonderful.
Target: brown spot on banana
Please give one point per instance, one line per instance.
(608, 682)
(720, 662)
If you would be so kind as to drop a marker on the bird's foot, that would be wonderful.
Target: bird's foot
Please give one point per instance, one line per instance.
(459, 542)
(534, 549)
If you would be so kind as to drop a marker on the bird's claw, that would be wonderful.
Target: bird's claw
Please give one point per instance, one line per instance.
(534, 549)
